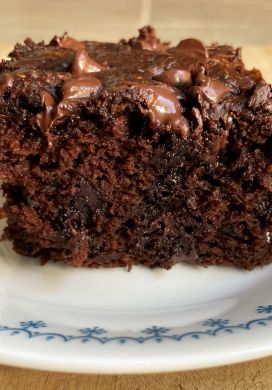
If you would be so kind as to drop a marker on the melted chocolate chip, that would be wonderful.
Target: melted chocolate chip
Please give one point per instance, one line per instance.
(192, 48)
(44, 118)
(175, 77)
(6, 81)
(69, 43)
(163, 106)
(83, 63)
(80, 87)
(190, 53)
(209, 89)
(75, 90)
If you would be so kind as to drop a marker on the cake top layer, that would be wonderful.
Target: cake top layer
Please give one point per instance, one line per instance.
(163, 80)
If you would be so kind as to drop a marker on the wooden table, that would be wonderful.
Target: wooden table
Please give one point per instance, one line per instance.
(255, 375)
(240, 22)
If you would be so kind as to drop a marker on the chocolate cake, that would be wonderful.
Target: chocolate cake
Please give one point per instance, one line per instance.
(115, 154)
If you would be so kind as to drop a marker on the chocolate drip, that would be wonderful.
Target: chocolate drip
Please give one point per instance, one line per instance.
(44, 118)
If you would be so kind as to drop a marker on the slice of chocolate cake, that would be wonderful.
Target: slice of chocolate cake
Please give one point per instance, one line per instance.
(136, 153)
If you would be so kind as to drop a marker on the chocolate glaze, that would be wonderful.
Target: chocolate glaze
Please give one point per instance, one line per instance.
(83, 63)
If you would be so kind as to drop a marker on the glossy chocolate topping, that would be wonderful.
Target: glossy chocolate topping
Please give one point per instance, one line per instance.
(209, 89)
(190, 53)
(83, 63)
(74, 92)
(193, 49)
(166, 78)
(175, 77)
(80, 87)
(163, 106)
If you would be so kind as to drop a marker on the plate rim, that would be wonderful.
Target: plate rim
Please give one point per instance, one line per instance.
(33, 358)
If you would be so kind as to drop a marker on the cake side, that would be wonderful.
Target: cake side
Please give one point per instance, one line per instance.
(136, 153)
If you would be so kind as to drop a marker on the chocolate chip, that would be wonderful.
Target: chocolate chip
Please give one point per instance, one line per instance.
(208, 89)
(193, 49)
(175, 77)
(80, 87)
(163, 106)
(83, 63)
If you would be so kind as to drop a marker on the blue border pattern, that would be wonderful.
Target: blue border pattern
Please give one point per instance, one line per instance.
(210, 327)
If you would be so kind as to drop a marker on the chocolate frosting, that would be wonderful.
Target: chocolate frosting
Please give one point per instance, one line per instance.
(83, 63)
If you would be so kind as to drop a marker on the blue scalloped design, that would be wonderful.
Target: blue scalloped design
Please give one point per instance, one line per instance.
(210, 327)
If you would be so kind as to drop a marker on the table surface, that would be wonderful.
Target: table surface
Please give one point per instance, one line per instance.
(255, 375)
(242, 22)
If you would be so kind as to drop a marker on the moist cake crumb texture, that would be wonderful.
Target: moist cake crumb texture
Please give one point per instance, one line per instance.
(137, 152)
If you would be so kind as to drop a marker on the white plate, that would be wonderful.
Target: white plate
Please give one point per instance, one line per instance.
(56, 317)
